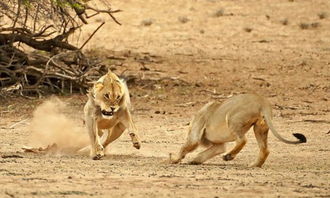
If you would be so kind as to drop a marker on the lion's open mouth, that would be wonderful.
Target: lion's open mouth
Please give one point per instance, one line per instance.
(107, 113)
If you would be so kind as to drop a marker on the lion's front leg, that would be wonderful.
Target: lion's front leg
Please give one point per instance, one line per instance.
(135, 140)
(128, 122)
(97, 150)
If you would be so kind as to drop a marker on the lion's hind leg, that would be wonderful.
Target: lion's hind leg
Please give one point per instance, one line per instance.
(261, 133)
(239, 130)
(88, 148)
(113, 134)
(240, 143)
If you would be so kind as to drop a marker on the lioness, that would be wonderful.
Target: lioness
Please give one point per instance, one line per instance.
(215, 124)
(107, 111)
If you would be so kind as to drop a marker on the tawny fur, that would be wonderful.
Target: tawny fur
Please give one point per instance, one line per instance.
(107, 114)
(215, 124)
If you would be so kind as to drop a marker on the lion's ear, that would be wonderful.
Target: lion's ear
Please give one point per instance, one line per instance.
(110, 72)
(112, 77)
(98, 86)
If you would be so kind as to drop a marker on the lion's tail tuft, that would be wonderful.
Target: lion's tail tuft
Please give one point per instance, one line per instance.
(300, 137)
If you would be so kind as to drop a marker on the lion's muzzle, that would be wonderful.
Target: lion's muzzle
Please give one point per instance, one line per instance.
(107, 113)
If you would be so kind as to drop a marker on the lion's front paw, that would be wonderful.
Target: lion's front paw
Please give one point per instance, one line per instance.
(195, 163)
(135, 141)
(228, 157)
(137, 145)
(171, 160)
(98, 152)
(97, 157)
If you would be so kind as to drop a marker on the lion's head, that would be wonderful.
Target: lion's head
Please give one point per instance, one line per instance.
(109, 93)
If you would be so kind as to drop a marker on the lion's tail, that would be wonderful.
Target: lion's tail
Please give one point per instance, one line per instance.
(267, 116)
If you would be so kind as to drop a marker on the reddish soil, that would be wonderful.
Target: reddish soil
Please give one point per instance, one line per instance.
(184, 54)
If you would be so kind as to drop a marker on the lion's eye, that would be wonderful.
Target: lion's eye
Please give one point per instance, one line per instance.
(106, 96)
(118, 97)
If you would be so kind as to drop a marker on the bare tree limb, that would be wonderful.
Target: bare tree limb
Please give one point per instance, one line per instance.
(46, 45)
(92, 35)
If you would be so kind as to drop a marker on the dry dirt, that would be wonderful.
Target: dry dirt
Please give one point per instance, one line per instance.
(203, 50)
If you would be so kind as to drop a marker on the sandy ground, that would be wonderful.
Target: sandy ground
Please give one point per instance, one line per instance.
(203, 51)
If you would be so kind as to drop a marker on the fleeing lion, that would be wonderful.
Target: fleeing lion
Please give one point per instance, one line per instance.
(215, 124)
(107, 113)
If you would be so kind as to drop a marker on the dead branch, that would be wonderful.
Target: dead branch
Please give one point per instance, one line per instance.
(46, 45)
(46, 25)
(92, 35)
(316, 121)
(109, 12)
(188, 104)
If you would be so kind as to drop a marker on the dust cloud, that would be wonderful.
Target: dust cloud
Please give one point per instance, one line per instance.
(50, 125)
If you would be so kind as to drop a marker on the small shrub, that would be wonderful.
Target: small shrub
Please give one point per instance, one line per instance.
(247, 29)
(322, 15)
(219, 13)
(315, 25)
(284, 22)
(147, 22)
(304, 26)
(183, 19)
